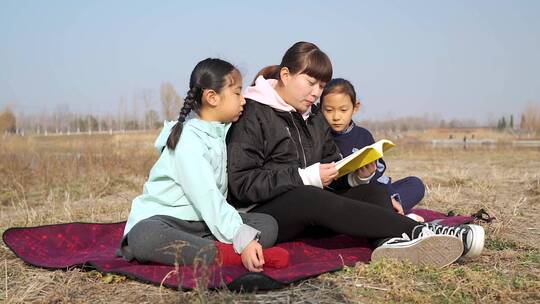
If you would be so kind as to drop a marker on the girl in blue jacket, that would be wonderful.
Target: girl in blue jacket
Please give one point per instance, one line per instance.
(182, 215)
(339, 104)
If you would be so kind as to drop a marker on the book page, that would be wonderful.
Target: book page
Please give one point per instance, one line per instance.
(363, 157)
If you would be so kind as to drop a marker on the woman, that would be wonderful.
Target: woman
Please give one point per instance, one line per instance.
(281, 156)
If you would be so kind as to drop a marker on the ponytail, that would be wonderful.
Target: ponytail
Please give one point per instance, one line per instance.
(269, 72)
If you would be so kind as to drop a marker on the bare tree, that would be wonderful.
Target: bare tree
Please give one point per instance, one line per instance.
(170, 101)
(61, 118)
(530, 119)
(151, 117)
(122, 114)
(147, 97)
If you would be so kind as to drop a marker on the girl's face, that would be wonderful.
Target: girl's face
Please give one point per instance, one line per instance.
(231, 102)
(338, 109)
(300, 90)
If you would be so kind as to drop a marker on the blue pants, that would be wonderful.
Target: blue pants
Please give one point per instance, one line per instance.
(411, 190)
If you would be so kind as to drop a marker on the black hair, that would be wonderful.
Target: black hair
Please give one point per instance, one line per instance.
(302, 57)
(339, 86)
(209, 74)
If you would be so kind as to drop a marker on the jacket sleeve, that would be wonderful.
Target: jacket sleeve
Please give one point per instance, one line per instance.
(249, 180)
(331, 153)
(381, 165)
(196, 177)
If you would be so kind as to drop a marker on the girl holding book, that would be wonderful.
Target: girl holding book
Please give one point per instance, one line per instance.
(281, 162)
(338, 105)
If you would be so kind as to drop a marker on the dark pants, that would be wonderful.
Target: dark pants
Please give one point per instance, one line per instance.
(166, 240)
(411, 191)
(363, 211)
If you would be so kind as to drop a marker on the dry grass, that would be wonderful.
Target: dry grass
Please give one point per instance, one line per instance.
(47, 180)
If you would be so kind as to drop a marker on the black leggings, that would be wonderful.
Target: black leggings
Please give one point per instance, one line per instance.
(363, 211)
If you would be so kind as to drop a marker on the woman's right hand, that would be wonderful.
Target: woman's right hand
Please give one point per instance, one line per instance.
(328, 173)
(252, 257)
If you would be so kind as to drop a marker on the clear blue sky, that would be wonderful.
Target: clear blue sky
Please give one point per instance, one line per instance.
(462, 59)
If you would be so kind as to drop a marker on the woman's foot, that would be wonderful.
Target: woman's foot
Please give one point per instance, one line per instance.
(473, 236)
(426, 249)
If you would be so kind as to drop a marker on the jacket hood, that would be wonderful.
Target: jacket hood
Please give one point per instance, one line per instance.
(264, 92)
(212, 128)
(161, 140)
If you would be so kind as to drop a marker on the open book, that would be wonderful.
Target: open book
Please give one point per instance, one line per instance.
(363, 157)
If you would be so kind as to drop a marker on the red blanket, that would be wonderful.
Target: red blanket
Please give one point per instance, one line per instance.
(92, 245)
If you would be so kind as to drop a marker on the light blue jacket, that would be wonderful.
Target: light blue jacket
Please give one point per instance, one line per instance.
(190, 183)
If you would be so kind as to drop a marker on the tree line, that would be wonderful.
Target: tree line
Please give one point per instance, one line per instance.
(63, 121)
(128, 117)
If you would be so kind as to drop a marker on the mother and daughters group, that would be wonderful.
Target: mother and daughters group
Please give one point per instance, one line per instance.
(244, 169)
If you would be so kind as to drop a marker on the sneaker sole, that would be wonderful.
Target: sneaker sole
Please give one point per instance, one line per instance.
(478, 244)
(435, 250)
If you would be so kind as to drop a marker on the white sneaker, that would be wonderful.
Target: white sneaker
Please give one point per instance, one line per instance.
(473, 236)
(427, 249)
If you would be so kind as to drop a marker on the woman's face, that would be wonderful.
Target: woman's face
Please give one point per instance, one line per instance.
(300, 90)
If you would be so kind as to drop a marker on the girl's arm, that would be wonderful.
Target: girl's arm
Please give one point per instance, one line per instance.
(197, 178)
(330, 153)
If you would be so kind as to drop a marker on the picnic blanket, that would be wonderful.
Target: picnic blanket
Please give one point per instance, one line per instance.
(93, 246)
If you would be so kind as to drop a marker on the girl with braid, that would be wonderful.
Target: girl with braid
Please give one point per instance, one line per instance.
(183, 216)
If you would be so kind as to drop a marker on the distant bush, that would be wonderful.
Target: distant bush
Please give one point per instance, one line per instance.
(8, 122)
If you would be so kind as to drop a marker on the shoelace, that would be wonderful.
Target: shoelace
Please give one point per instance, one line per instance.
(405, 238)
(448, 230)
(426, 232)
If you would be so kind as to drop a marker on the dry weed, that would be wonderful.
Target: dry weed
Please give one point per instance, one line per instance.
(46, 180)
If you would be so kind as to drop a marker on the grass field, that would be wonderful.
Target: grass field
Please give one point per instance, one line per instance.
(56, 179)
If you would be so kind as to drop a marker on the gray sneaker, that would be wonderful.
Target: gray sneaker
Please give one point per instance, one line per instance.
(426, 249)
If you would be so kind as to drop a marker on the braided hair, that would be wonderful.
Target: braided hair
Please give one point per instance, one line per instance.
(209, 74)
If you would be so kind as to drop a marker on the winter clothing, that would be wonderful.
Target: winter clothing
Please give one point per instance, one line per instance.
(274, 156)
(189, 183)
(408, 191)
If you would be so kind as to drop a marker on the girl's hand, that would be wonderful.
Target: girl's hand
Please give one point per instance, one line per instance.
(252, 257)
(367, 170)
(397, 206)
(328, 173)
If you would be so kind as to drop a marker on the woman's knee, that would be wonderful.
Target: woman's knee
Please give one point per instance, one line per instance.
(379, 191)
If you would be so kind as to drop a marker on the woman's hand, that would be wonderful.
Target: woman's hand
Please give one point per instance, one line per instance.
(328, 173)
(397, 206)
(367, 170)
(252, 257)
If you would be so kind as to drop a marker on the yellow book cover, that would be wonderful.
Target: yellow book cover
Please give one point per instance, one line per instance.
(363, 157)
